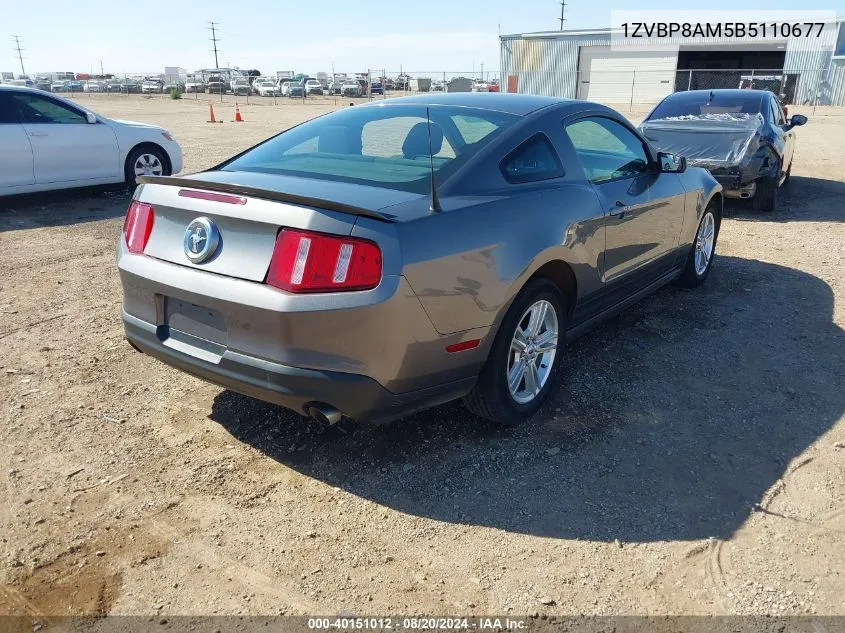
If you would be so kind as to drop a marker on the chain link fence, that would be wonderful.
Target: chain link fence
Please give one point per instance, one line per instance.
(623, 88)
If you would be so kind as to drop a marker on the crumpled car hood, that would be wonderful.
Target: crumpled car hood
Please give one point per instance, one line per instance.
(707, 140)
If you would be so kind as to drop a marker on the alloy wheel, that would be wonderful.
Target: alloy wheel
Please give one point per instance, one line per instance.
(532, 351)
(704, 243)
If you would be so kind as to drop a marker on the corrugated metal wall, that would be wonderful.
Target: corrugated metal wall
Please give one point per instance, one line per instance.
(547, 64)
(814, 65)
(836, 80)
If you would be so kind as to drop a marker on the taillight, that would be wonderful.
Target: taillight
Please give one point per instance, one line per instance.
(138, 226)
(314, 262)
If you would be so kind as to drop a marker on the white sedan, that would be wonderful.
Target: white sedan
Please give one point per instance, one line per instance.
(265, 87)
(53, 143)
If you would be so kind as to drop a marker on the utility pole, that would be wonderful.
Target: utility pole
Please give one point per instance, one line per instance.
(213, 28)
(102, 74)
(562, 11)
(19, 50)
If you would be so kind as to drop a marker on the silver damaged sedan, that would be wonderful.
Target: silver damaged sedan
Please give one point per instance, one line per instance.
(389, 257)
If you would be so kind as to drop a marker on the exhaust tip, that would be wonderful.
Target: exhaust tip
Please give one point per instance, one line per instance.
(323, 413)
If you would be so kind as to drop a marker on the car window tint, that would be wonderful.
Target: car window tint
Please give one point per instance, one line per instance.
(378, 146)
(8, 109)
(698, 102)
(37, 109)
(773, 115)
(473, 128)
(387, 137)
(607, 149)
(779, 119)
(534, 160)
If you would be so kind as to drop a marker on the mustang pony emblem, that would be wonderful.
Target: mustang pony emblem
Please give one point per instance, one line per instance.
(201, 240)
(196, 238)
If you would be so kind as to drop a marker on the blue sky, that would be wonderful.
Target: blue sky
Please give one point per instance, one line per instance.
(430, 35)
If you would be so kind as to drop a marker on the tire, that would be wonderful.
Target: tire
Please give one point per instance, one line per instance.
(153, 157)
(696, 269)
(765, 198)
(492, 397)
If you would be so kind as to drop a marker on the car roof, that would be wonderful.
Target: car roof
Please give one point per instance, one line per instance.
(17, 88)
(518, 104)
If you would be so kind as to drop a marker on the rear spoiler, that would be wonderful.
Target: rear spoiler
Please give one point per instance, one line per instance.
(264, 194)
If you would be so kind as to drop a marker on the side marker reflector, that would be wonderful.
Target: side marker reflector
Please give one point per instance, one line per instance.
(463, 346)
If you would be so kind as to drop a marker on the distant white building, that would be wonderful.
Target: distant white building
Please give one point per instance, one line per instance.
(584, 64)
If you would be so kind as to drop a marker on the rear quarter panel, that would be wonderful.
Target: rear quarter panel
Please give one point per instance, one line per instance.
(467, 264)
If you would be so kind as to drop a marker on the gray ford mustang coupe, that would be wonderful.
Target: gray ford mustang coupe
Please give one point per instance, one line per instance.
(389, 257)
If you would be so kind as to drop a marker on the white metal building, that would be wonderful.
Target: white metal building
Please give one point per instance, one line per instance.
(582, 64)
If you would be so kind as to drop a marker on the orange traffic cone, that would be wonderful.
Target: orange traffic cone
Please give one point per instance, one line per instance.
(211, 114)
(238, 118)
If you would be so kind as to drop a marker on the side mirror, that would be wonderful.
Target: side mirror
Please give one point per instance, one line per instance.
(797, 119)
(91, 117)
(671, 163)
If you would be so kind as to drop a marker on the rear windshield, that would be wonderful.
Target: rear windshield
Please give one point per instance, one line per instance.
(699, 103)
(383, 146)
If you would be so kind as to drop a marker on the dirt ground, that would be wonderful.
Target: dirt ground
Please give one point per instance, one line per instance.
(692, 461)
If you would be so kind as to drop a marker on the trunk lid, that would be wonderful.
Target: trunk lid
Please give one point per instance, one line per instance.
(248, 210)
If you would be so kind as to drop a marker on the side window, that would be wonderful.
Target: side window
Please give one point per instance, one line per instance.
(473, 128)
(534, 160)
(607, 149)
(37, 109)
(777, 111)
(8, 109)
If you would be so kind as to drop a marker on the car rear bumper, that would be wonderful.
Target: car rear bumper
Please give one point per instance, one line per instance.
(355, 396)
(734, 187)
(373, 355)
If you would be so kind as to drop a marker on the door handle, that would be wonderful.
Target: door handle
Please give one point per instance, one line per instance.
(38, 133)
(619, 209)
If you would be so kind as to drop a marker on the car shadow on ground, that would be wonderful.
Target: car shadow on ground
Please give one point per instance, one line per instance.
(63, 208)
(671, 422)
(803, 200)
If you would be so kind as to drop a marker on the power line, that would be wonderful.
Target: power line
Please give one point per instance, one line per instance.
(20, 51)
(562, 11)
(214, 39)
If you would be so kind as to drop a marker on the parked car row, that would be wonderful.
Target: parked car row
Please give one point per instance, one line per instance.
(351, 86)
(94, 85)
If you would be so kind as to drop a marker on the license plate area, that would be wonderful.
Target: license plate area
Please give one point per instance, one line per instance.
(192, 329)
